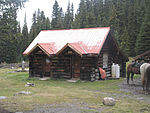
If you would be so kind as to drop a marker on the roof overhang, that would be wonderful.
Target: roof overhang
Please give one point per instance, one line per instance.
(37, 45)
(70, 46)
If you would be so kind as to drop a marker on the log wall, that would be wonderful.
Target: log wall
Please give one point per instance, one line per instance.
(87, 65)
(38, 65)
(114, 56)
(61, 67)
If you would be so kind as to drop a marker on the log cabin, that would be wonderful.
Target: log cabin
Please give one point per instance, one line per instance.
(74, 53)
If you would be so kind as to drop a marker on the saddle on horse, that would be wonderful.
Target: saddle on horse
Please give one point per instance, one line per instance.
(136, 66)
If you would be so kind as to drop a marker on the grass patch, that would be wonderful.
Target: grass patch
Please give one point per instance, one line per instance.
(59, 91)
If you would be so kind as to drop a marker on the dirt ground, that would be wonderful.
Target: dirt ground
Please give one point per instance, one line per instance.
(80, 107)
(135, 89)
(4, 111)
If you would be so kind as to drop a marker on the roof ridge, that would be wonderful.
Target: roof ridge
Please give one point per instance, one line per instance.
(77, 29)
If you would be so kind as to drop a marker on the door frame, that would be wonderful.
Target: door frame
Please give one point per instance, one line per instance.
(74, 59)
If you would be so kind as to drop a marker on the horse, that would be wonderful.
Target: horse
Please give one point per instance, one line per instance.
(145, 76)
(133, 68)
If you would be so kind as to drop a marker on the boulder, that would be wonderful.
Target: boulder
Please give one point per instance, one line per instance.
(23, 93)
(72, 81)
(3, 97)
(44, 78)
(29, 85)
(109, 101)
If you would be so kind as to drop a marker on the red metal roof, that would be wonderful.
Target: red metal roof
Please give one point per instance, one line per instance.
(83, 41)
(48, 47)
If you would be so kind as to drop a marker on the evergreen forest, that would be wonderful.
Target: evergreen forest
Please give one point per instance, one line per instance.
(129, 21)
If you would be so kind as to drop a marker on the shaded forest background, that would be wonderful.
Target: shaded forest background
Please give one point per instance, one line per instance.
(128, 19)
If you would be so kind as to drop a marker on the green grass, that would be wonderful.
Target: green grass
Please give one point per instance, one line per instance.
(59, 91)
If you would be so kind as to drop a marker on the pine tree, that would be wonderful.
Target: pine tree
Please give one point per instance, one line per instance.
(39, 22)
(47, 24)
(100, 14)
(42, 21)
(60, 23)
(125, 42)
(90, 17)
(69, 15)
(132, 29)
(8, 37)
(140, 11)
(57, 17)
(9, 30)
(114, 23)
(25, 35)
(33, 30)
(80, 19)
(72, 13)
(143, 41)
(19, 43)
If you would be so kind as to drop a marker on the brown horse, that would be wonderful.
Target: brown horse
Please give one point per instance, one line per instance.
(132, 69)
(145, 76)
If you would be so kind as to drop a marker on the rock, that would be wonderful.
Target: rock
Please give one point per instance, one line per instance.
(92, 107)
(29, 85)
(96, 70)
(92, 75)
(140, 98)
(109, 101)
(92, 79)
(12, 68)
(72, 81)
(97, 74)
(23, 93)
(2, 97)
(97, 77)
(45, 78)
(20, 70)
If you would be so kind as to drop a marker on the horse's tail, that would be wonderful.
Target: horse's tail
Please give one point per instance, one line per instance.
(129, 68)
(148, 78)
(128, 72)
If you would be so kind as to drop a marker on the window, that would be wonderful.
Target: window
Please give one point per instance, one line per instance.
(105, 60)
(47, 61)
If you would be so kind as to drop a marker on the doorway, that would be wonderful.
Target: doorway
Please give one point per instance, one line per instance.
(46, 67)
(75, 66)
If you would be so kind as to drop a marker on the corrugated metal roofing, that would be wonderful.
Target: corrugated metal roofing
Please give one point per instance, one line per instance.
(85, 41)
(47, 47)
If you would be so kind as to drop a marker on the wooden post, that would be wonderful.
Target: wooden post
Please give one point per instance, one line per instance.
(23, 66)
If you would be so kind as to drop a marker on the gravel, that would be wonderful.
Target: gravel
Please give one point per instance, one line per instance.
(135, 89)
(4, 111)
(66, 108)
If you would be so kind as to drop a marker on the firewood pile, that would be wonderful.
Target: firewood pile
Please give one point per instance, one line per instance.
(95, 74)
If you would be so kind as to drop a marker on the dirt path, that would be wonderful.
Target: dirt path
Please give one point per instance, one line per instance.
(4, 111)
(136, 90)
(75, 107)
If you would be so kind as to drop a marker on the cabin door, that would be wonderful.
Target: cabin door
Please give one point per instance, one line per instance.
(46, 67)
(76, 67)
